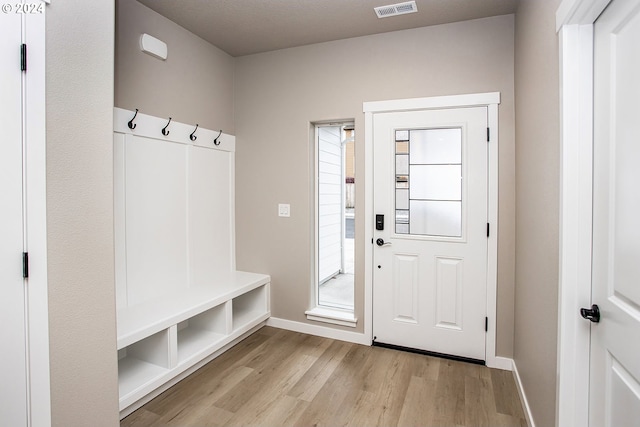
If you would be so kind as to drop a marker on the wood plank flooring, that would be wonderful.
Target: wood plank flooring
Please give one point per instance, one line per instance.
(281, 378)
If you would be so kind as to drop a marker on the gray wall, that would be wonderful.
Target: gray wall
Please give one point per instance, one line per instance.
(278, 94)
(537, 204)
(82, 324)
(193, 85)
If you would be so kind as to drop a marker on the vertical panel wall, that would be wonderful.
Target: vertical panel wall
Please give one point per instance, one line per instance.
(156, 217)
(211, 208)
(174, 214)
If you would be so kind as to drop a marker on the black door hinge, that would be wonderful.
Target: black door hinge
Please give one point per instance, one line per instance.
(25, 265)
(487, 229)
(488, 134)
(23, 57)
(486, 324)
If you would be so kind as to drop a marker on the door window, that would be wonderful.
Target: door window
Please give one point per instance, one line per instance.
(428, 182)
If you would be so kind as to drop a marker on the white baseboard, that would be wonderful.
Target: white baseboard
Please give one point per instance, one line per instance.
(498, 362)
(523, 396)
(321, 331)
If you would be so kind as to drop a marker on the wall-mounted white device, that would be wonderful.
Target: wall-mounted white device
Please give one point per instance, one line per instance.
(284, 210)
(153, 46)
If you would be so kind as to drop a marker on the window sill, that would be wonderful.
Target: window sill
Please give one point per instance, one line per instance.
(332, 315)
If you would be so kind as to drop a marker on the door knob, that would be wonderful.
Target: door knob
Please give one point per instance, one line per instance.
(592, 313)
(381, 242)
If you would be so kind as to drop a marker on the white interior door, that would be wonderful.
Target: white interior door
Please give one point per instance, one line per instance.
(430, 257)
(330, 202)
(615, 343)
(13, 377)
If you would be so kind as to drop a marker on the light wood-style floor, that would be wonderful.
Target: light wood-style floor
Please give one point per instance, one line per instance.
(282, 378)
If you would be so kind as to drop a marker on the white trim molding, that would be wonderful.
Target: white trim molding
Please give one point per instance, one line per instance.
(36, 178)
(574, 21)
(489, 100)
(320, 331)
(152, 127)
(579, 12)
(503, 363)
(453, 101)
(332, 315)
(523, 397)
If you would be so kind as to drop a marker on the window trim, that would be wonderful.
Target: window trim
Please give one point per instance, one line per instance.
(317, 312)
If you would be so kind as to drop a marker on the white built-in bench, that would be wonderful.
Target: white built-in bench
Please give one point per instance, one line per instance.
(162, 338)
(180, 301)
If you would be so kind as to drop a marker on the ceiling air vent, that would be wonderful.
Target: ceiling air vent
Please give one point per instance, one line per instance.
(396, 9)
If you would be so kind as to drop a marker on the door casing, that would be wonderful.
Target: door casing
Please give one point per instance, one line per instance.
(489, 100)
(574, 23)
(37, 297)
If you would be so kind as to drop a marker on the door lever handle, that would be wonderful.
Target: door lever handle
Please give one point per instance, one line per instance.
(381, 242)
(592, 314)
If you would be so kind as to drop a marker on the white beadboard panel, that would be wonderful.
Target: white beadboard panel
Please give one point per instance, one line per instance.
(210, 206)
(156, 218)
(174, 207)
(119, 220)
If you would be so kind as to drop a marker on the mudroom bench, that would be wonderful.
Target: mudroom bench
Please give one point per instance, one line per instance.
(180, 300)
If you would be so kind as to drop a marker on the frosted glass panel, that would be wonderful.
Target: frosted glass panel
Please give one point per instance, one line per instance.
(436, 218)
(402, 228)
(436, 182)
(402, 135)
(436, 146)
(402, 164)
(402, 199)
(402, 216)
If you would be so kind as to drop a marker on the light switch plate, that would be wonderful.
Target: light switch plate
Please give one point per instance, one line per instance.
(284, 210)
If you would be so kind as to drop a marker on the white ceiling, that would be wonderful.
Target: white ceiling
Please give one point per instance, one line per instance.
(244, 27)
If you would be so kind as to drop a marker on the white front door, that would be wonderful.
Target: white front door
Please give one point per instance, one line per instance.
(430, 237)
(615, 340)
(13, 368)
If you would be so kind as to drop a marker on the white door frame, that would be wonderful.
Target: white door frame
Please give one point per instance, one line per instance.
(36, 223)
(489, 100)
(574, 23)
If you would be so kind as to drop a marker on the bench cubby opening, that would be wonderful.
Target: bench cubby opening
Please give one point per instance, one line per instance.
(247, 307)
(202, 332)
(143, 363)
